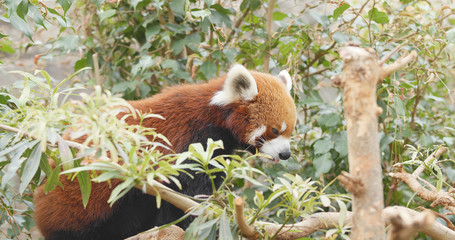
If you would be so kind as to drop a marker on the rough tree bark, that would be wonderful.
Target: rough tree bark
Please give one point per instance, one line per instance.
(358, 83)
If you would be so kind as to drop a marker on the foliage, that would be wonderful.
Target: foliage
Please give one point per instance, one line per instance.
(142, 46)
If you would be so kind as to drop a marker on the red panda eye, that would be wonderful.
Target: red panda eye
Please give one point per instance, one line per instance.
(275, 131)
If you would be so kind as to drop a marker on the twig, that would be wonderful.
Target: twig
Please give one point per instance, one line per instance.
(388, 56)
(419, 94)
(441, 150)
(387, 70)
(22, 133)
(247, 230)
(237, 25)
(97, 69)
(351, 183)
(177, 199)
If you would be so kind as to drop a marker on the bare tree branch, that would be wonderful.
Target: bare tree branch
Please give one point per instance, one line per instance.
(406, 224)
(351, 183)
(435, 230)
(438, 198)
(168, 233)
(248, 231)
(399, 63)
(388, 56)
(268, 27)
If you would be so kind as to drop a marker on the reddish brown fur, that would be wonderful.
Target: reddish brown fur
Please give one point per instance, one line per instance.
(63, 209)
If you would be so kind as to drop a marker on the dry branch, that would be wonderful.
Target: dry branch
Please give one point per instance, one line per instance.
(437, 198)
(399, 63)
(405, 225)
(168, 233)
(351, 183)
(246, 230)
(317, 221)
(435, 230)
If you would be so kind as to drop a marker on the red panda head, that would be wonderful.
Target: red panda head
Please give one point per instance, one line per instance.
(261, 111)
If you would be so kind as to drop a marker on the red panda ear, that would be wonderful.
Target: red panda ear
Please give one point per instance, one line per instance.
(286, 79)
(239, 85)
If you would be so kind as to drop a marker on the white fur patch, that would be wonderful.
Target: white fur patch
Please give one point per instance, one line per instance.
(231, 92)
(275, 146)
(286, 79)
(283, 127)
(256, 133)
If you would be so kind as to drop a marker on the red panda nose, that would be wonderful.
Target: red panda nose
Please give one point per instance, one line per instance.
(284, 155)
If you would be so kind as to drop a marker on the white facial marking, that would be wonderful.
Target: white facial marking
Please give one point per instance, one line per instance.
(275, 146)
(256, 133)
(238, 76)
(283, 127)
(286, 79)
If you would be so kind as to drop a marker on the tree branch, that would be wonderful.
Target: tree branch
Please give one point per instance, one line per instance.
(405, 225)
(247, 230)
(268, 28)
(434, 230)
(399, 63)
(437, 198)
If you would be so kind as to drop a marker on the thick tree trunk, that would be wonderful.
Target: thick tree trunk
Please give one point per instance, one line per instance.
(358, 82)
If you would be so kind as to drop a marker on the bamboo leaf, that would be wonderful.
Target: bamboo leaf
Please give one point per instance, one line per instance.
(225, 228)
(30, 168)
(86, 186)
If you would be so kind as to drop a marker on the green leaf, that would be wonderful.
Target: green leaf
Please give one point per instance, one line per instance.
(65, 154)
(7, 46)
(178, 7)
(341, 145)
(22, 25)
(378, 16)
(322, 164)
(52, 180)
(152, 30)
(81, 63)
(225, 228)
(86, 186)
(22, 9)
(339, 37)
(340, 10)
(177, 46)
(107, 14)
(16, 160)
(30, 168)
(399, 106)
(201, 13)
(329, 119)
(322, 146)
(208, 69)
(278, 16)
(35, 14)
(321, 19)
(121, 190)
(66, 4)
(450, 35)
(98, 3)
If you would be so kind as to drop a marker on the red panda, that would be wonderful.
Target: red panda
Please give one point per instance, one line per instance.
(245, 109)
